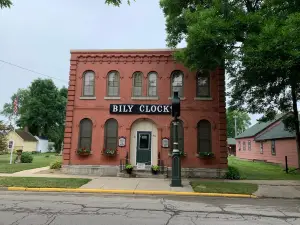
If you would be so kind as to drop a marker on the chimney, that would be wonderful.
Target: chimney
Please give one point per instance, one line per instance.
(26, 129)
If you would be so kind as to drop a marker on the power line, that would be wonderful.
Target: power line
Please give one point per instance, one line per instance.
(32, 71)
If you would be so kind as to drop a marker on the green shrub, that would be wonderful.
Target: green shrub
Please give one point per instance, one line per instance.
(56, 165)
(129, 166)
(232, 173)
(155, 168)
(26, 157)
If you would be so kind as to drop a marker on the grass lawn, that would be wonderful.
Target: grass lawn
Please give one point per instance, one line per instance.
(260, 170)
(42, 182)
(39, 160)
(223, 187)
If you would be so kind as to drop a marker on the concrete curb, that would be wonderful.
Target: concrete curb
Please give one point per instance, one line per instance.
(141, 192)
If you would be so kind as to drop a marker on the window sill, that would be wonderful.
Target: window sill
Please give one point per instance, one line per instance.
(203, 98)
(87, 98)
(145, 98)
(182, 98)
(112, 98)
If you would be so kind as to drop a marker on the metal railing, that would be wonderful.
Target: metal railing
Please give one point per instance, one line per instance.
(161, 164)
(123, 162)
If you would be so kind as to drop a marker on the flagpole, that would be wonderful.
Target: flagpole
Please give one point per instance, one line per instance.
(12, 147)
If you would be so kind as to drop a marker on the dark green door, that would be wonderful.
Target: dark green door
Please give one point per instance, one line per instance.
(143, 151)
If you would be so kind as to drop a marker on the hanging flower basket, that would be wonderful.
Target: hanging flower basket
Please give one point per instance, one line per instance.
(206, 155)
(110, 152)
(83, 151)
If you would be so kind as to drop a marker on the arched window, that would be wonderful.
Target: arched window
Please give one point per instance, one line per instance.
(89, 83)
(152, 84)
(204, 136)
(180, 136)
(137, 84)
(113, 85)
(203, 84)
(177, 83)
(111, 134)
(85, 133)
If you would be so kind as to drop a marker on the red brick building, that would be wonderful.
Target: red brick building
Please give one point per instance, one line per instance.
(119, 102)
(269, 142)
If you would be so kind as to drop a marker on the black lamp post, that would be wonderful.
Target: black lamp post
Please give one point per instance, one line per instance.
(176, 160)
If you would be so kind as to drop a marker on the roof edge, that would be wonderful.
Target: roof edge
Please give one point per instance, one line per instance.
(123, 50)
(279, 118)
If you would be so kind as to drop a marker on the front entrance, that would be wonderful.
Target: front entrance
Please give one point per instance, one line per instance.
(143, 147)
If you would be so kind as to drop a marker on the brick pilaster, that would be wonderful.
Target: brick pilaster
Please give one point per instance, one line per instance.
(69, 112)
(222, 117)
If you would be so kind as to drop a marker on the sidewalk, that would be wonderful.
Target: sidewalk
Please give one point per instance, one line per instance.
(266, 188)
(150, 184)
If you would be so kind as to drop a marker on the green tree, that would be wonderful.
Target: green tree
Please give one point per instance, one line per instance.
(242, 122)
(117, 2)
(42, 108)
(4, 129)
(23, 96)
(268, 78)
(5, 4)
(258, 43)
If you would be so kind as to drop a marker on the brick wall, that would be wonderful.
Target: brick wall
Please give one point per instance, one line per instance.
(126, 63)
(284, 147)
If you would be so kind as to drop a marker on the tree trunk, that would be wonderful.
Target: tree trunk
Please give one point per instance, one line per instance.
(296, 121)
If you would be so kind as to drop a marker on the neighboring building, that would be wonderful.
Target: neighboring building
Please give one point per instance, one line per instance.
(268, 142)
(231, 145)
(22, 140)
(120, 99)
(42, 145)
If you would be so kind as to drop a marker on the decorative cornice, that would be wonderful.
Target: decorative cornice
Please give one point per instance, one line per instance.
(125, 58)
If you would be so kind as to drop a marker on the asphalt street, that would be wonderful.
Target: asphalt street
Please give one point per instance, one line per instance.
(29, 208)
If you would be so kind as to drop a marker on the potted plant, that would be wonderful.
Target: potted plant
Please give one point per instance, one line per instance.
(110, 152)
(129, 168)
(155, 169)
(206, 155)
(83, 151)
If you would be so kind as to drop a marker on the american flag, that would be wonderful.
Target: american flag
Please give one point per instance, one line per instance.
(16, 105)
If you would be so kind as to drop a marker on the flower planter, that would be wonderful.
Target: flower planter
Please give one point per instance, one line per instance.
(129, 171)
(84, 153)
(154, 171)
(110, 153)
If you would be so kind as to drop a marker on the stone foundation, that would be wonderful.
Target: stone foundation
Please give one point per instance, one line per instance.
(199, 173)
(113, 171)
(102, 171)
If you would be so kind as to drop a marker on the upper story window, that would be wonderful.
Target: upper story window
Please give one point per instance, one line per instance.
(89, 83)
(177, 83)
(113, 85)
(85, 133)
(152, 84)
(203, 84)
(137, 84)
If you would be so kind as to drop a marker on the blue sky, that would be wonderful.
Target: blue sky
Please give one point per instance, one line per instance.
(38, 35)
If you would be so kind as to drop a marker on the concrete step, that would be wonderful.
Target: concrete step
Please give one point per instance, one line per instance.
(142, 174)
